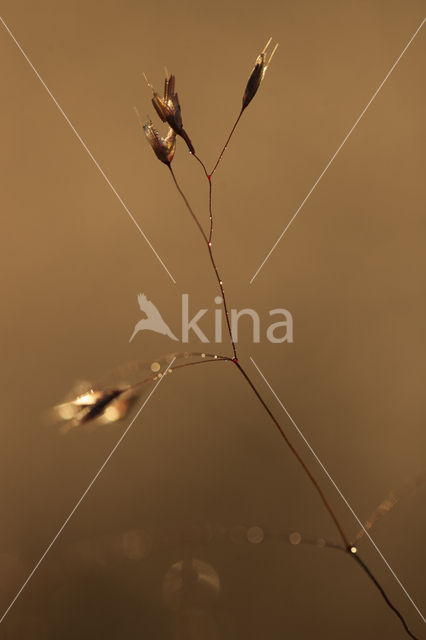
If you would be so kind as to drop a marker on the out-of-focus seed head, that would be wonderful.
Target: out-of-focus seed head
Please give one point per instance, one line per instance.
(257, 75)
(103, 405)
(164, 148)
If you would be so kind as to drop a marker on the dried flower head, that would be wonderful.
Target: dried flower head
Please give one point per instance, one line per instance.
(257, 74)
(164, 148)
(168, 108)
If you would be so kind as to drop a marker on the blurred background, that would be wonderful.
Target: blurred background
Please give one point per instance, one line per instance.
(186, 534)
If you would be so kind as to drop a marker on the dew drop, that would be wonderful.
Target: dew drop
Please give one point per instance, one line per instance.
(255, 535)
(295, 537)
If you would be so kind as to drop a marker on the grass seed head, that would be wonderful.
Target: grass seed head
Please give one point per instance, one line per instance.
(168, 108)
(257, 75)
(164, 148)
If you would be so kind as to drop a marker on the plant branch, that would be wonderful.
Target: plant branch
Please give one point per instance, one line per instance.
(212, 259)
(297, 456)
(178, 366)
(188, 206)
(385, 597)
(202, 164)
(226, 144)
(208, 176)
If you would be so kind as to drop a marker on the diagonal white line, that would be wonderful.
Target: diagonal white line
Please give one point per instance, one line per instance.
(78, 503)
(86, 148)
(318, 180)
(338, 491)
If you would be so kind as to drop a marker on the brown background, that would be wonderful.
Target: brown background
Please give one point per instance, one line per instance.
(351, 270)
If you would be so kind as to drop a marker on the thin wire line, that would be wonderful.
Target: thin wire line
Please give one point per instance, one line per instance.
(338, 490)
(80, 139)
(338, 150)
(84, 494)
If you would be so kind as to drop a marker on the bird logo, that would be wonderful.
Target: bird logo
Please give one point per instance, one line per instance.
(153, 320)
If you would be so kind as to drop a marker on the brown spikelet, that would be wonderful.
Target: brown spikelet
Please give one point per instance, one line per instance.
(164, 148)
(169, 110)
(257, 75)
